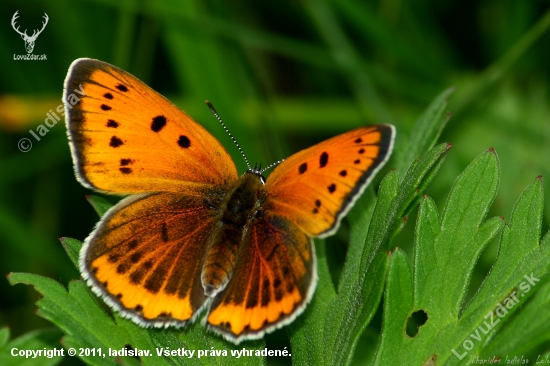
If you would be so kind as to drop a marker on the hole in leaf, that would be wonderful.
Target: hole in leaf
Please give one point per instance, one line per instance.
(415, 321)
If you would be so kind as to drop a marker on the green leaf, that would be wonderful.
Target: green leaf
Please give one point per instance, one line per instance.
(78, 314)
(529, 329)
(208, 349)
(72, 247)
(398, 298)
(19, 351)
(100, 204)
(426, 131)
(445, 252)
(306, 332)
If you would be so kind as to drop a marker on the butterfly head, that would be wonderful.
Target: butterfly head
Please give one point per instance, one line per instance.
(257, 171)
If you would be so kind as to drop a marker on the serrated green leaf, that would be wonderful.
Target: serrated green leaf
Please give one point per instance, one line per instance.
(80, 346)
(77, 313)
(100, 204)
(426, 131)
(444, 256)
(529, 329)
(418, 175)
(398, 304)
(342, 333)
(208, 349)
(72, 247)
(306, 332)
(40, 340)
(519, 238)
(387, 192)
(142, 339)
(360, 218)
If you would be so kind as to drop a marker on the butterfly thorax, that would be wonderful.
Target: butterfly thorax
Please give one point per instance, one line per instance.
(241, 206)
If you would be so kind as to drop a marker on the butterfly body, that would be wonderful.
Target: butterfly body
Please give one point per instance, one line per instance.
(193, 237)
(239, 209)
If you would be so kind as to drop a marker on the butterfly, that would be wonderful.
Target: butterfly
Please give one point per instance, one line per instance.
(193, 236)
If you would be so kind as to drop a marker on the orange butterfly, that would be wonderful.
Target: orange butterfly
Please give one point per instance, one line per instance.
(193, 235)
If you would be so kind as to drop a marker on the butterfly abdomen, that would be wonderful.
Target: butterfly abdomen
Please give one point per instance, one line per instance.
(239, 209)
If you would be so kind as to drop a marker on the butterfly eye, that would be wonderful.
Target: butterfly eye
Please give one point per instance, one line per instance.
(257, 172)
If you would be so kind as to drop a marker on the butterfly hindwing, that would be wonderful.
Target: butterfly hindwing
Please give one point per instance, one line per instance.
(126, 138)
(145, 257)
(273, 281)
(315, 187)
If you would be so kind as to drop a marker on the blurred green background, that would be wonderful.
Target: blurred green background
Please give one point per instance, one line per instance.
(283, 75)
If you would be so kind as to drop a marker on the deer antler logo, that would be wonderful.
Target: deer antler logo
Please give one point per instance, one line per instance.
(29, 41)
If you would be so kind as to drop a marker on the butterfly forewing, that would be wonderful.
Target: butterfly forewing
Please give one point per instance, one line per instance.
(316, 187)
(127, 138)
(145, 257)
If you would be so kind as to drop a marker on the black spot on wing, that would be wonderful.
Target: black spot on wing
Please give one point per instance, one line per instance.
(108, 95)
(123, 268)
(302, 168)
(125, 170)
(115, 142)
(122, 88)
(113, 257)
(323, 160)
(137, 276)
(332, 188)
(135, 257)
(184, 141)
(133, 244)
(358, 140)
(154, 282)
(124, 162)
(286, 271)
(318, 203)
(357, 161)
(112, 123)
(361, 151)
(105, 107)
(343, 173)
(158, 123)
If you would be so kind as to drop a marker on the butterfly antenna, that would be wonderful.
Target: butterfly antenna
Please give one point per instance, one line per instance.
(271, 165)
(229, 133)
